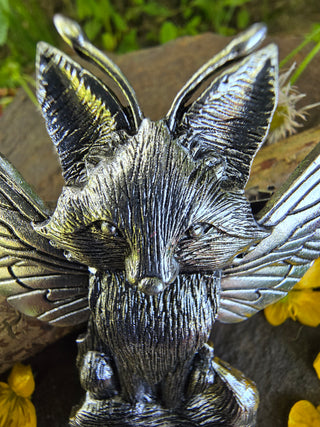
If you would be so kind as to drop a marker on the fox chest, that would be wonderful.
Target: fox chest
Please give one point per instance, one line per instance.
(152, 335)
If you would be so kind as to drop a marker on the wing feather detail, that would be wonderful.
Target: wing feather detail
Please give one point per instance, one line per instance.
(35, 277)
(270, 269)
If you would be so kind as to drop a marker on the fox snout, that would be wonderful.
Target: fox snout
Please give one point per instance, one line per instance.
(151, 276)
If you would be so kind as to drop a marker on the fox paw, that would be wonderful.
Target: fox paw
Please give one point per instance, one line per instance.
(97, 376)
(218, 393)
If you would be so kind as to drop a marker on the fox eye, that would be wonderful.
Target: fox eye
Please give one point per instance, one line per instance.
(197, 230)
(106, 228)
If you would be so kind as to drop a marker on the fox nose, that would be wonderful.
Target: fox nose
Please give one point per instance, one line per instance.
(151, 285)
(150, 278)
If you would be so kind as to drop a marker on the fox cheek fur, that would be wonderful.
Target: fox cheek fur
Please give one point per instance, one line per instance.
(155, 199)
(153, 211)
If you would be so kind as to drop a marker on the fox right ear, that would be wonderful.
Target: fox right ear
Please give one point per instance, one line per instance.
(229, 121)
(81, 113)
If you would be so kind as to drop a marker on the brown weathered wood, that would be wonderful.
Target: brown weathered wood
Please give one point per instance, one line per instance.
(156, 74)
(274, 163)
(21, 337)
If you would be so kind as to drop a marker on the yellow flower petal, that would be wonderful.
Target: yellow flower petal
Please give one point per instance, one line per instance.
(311, 279)
(24, 413)
(277, 313)
(21, 380)
(305, 307)
(16, 408)
(302, 302)
(6, 403)
(316, 365)
(302, 305)
(16, 411)
(304, 414)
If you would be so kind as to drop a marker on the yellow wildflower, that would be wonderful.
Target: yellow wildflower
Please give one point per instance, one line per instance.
(16, 408)
(304, 414)
(316, 365)
(302, 303)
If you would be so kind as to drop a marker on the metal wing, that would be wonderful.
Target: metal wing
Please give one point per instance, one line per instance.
(269, 270)
(35, 277)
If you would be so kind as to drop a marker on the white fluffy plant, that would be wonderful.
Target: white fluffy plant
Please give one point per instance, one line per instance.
(288, 116)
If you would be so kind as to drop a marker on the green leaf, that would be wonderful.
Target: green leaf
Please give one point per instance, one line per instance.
(4, 21)
(243, 18)
(109, 41)
(305, 63)
(4, 5)
(208, 7)
(92, 28)
(129, 42)
(168, 31)
(155, 9)
(235, 3)
(226, 31)
(119, 23)
(315, 33)
(192, 26)
(4, 26)
(187, 12)
(10, 74)
(84, 8)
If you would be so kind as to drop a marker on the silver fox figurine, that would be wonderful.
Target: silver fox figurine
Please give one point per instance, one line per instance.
(152, 239)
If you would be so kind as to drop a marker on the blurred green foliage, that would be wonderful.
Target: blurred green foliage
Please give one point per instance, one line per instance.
(118, 25)
(22, 24)
(313, 38)
(127, 25)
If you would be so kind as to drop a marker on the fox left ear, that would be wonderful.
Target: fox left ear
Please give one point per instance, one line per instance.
(230, 120)
(79, 111)
(83, 116)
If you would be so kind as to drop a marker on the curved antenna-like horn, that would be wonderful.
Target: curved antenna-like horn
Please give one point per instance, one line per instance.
(241, 46)
(73, 35)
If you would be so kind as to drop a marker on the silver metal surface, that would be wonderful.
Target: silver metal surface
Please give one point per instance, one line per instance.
(153, 235)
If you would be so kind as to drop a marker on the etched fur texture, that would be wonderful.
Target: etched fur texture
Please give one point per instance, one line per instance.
(156, 210)
(152, 239)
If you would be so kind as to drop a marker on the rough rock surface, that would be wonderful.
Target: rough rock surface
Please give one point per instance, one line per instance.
(278, 359)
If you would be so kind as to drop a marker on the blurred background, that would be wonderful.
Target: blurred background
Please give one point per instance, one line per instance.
(126, 25)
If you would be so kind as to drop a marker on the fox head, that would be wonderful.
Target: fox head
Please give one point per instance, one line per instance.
(155, 199)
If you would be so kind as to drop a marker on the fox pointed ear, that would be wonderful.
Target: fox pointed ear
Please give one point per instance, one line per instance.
(230, 120)
(81, 113)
